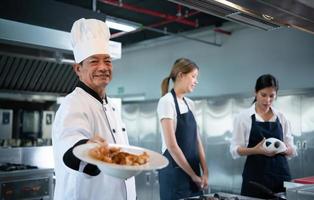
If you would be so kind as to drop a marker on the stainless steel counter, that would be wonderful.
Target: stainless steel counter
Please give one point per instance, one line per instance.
(305, 192)
(26, 184)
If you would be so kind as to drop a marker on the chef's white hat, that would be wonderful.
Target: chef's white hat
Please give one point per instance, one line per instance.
(89, 37)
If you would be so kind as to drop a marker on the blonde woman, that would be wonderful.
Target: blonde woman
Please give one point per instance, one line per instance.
(181, 142)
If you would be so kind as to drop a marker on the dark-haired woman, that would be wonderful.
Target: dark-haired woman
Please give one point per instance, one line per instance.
(251, 128)
(181, 142)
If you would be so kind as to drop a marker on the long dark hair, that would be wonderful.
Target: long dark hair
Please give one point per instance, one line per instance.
(183, 65)
(265, 81)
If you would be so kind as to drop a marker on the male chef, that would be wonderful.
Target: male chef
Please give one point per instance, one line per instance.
(87, 115)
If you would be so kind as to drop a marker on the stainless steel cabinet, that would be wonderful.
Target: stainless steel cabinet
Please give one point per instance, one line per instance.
(306, 141)
(142, 124)
(299, 109)
(217, 125)
(291, 106)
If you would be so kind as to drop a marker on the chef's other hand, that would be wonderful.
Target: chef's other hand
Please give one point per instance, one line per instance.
(98, 139)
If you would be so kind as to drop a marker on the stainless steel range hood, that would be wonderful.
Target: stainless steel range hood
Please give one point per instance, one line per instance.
(37, 59)
(34, 60)
(35, 51)
(261, 14)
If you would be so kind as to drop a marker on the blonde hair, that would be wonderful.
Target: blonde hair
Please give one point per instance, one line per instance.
(182, 65)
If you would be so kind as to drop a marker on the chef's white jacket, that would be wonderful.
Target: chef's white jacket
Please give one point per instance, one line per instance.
(78, 118)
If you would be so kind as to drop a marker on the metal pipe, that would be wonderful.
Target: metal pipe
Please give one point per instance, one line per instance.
(170, 20)
(181, 35)
(150, 12)
(94, 4)
(116, 35)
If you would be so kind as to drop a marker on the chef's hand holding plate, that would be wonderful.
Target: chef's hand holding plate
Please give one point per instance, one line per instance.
(99, 140)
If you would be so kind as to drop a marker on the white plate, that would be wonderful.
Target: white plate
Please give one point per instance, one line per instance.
(156, 160)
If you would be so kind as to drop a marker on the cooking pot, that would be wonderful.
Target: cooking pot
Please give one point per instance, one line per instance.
(270, 194)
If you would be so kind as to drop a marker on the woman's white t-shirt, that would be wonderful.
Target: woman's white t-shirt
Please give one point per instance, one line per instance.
(166, 109)
(242, 125)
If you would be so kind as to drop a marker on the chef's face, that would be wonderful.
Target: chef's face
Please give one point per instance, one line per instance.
(95, 71)
(189, 80)
(265, 97)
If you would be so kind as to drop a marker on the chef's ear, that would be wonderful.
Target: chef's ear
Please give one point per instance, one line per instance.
(77, 68)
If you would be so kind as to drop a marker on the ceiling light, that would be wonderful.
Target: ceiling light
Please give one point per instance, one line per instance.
(122, 25)
(230, 4)
(267, 17)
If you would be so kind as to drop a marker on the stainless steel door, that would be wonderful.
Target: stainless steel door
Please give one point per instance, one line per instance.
(6, 117)
(142, 126)
(217, 131)
(306, 142)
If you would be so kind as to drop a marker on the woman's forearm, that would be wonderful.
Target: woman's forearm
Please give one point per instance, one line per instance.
(244, 151)
(202, 156)
(180, 159)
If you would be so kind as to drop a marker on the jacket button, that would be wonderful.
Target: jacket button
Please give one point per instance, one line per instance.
(123, 129)
(114, 130)
(113, 109)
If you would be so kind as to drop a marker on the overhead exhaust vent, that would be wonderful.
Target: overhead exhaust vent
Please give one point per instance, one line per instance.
(26, 75)
(252, 21)
(230, 11)
(207, 7)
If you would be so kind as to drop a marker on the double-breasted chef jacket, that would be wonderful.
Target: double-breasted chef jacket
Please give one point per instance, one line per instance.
(81, 115)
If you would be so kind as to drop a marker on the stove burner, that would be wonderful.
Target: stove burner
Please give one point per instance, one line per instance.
(13, 167)
(214, 197)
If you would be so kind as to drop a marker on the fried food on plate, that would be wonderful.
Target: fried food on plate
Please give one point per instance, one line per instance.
(114, 155)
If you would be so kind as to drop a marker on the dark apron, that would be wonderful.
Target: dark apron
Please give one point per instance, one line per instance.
(174, 182)
(268, 171)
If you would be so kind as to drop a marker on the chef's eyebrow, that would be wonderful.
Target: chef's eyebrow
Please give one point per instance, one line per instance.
(107, 57)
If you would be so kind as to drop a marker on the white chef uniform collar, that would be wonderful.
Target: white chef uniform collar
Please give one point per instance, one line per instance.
(89, 37)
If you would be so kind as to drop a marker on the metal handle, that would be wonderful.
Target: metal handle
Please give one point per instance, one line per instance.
(147, 178)
(156, 177)
(298, 144)
(304, 144)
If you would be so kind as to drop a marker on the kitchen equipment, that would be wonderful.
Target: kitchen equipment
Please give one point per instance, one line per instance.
(268, 193)
(305, 192)
(221, 196)
(13, 167)
(6, 116)
(19, 181)
(30, 124)
(305, 180)
(274, 145)
(46, 123)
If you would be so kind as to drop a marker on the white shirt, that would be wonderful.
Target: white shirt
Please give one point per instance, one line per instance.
(242, 127)
(166, 109)
(81, 116)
